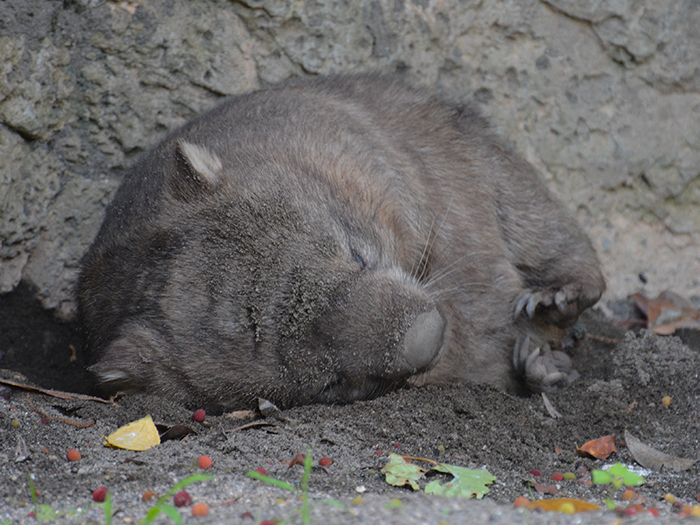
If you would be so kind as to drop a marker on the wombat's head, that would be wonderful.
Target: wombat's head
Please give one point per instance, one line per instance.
(272, 286)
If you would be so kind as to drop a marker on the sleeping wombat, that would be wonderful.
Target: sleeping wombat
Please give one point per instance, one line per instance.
(327, 240)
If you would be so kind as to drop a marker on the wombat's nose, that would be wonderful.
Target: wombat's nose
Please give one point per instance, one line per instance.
(424, 338)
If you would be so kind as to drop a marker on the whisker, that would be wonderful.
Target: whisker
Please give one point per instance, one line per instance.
(451, 292)
(449, 269)
(443, 273)
(416, 264)
(325, 391)
(430, 242)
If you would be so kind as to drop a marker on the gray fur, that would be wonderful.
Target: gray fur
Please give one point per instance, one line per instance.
(326, 240)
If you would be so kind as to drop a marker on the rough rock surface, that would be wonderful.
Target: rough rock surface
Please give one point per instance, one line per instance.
(603, 97)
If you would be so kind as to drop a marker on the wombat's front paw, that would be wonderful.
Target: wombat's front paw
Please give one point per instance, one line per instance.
(544, 370)
(560, 306)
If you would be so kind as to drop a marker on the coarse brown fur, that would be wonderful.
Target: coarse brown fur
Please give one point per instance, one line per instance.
(325, 240)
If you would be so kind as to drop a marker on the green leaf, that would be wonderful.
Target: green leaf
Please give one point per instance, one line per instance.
(629, 478)
(465, 483)
(400, 472)
(601, 477)
(610, 503)
(618, 475)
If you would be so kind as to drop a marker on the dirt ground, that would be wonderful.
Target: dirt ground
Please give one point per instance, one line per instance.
(621, 388)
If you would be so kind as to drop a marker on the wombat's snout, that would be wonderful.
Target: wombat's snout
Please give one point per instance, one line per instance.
(424, 338)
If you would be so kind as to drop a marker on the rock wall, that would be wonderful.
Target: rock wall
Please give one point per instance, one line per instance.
(602, 96)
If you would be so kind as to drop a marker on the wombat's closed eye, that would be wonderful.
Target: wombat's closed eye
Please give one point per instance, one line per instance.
(359, 259)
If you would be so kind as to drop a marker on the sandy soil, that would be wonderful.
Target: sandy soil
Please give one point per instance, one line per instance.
(621, 388)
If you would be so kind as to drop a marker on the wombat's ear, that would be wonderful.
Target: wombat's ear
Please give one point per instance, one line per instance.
(198, 170)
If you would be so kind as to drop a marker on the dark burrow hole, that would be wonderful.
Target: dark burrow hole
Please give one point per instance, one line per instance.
(48, 352)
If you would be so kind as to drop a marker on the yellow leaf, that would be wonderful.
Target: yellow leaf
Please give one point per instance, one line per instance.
(138, 435)
(555, 505)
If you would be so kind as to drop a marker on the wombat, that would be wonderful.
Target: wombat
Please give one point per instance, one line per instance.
(327, 240)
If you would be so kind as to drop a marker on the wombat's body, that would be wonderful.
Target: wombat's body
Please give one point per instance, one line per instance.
(325, 241)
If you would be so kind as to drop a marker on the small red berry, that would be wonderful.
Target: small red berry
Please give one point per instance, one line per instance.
(182, 498)
(199, 415)
(628, 495)
(204, 462)
(73, 455)
(200, 509)
(325, 462)
(557, 476)
(535, 473)
(99, 494)
(261, 471)
(378, 452)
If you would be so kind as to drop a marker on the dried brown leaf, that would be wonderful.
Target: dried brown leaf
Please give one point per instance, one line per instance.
(22, 451)
(241, 414)
(599, 448)
(175, 432)
(298, 459)
(653, 459)
(668, 312)
(552, 490)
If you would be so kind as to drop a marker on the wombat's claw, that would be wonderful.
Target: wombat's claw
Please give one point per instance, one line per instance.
(557, 306)
(520, 353)
(522, 303)
(544, 370)
(560, 300)
(530, 301)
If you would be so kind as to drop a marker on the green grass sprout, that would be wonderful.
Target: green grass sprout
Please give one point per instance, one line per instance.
(305, 509)
(107, 506)
(303, 492)
(270, 481)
